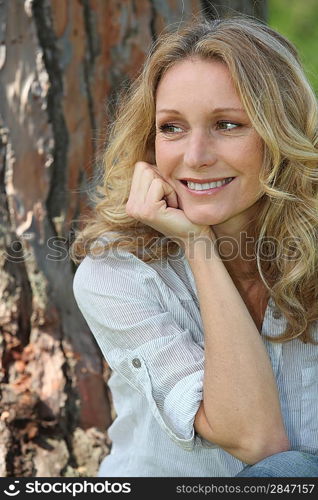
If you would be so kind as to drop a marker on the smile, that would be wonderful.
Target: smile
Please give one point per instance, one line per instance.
(206, 187)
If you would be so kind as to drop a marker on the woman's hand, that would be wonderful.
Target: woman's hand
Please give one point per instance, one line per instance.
(154, 202)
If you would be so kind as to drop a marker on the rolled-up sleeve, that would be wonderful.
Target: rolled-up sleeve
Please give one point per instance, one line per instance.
(142, 341)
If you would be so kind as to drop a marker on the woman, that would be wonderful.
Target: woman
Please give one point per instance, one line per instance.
(199, 280)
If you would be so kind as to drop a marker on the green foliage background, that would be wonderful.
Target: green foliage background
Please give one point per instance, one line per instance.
(298, 21)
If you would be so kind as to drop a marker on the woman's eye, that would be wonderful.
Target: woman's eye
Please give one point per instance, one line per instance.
(170, 128)
(226, 125)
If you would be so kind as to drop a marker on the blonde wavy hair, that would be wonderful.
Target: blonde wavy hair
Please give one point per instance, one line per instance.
(282, 107)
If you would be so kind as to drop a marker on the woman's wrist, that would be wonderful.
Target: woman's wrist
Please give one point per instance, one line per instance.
(201, 247)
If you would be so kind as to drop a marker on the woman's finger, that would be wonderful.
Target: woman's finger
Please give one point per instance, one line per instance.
(172, 199)
(141, 180)
(170, 196)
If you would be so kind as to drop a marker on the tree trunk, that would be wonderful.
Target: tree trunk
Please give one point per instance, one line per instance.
(61, 61)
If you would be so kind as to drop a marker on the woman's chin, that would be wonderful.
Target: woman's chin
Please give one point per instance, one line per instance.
(202, 219)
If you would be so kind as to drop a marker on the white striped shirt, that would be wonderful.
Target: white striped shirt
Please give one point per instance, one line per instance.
(146, 320)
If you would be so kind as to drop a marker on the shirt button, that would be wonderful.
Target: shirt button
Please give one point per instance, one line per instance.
(136, 363)
(277, 314)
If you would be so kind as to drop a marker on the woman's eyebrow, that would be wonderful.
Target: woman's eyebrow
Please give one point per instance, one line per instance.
(216, 110)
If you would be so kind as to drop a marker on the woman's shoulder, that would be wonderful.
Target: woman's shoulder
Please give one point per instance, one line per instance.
(110, 268)
(95, 265)
(107, 269)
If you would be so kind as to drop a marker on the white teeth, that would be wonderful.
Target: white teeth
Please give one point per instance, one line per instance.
(207, 185)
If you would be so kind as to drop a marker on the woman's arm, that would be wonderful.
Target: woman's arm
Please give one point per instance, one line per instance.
(240, 410)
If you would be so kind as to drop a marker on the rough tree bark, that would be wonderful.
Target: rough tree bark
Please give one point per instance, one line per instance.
(61, 63)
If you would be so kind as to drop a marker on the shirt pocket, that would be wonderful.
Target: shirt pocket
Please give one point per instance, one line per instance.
(309, 409)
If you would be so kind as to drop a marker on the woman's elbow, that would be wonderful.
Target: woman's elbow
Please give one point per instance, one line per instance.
(250, 446)
(254, 450)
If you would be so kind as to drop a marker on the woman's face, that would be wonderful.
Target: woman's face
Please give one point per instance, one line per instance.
(203, 135)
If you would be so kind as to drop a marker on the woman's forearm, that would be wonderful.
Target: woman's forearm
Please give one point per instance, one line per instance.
(240, 398)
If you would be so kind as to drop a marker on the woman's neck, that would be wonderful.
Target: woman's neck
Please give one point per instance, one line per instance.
(237, 242)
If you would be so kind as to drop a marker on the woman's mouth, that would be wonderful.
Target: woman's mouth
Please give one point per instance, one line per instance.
(203, 188)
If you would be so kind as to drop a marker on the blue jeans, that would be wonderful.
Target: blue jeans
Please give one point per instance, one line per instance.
(285, 464)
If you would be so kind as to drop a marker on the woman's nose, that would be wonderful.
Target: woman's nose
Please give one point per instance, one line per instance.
(199, 150)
